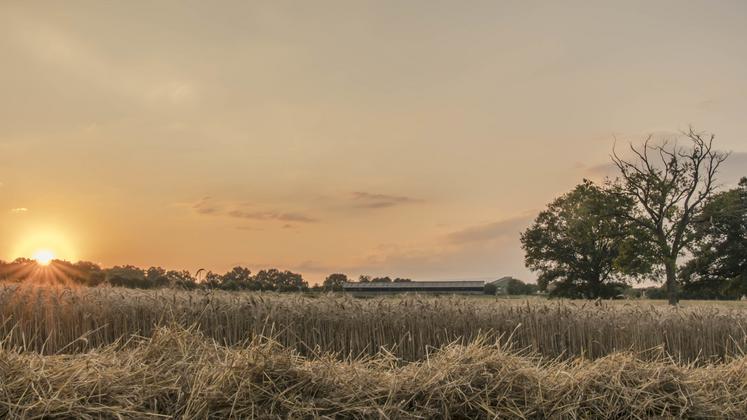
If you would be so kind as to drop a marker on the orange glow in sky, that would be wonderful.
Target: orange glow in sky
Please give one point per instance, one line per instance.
(410, 139)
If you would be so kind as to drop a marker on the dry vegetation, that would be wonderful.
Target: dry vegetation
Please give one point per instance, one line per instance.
(56, 320)
(117, 353)
(179, 373)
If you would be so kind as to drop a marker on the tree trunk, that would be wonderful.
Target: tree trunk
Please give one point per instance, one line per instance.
(671, 269)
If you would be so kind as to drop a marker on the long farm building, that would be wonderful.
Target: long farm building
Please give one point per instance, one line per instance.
(462, 287)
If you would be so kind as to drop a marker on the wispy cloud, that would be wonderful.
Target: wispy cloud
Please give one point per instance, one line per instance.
(19, 210)
(272, 215)
(249, 228)
(206, 206)
(376, 201)
(491, 231)
(313, 267)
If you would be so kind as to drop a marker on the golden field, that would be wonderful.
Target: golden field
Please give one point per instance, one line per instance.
(64, 320)
(121, 353)
(177, 373)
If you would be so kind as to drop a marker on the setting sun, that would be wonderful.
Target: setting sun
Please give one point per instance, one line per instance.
(44, 243)
(43, 256)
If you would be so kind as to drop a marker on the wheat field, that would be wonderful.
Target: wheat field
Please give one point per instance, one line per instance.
(96, 353)
(62, 320)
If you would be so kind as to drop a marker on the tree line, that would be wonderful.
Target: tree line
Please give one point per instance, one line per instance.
(84, 273)
(663, 207)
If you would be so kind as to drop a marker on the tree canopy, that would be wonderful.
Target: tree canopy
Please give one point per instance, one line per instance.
(579, 242)
(89, 274)
(334, 282)
(719, 264)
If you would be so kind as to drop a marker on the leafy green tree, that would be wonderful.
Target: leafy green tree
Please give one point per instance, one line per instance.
(156, 276)
(267, 279)
(212, 280)
(334, 282)
(719, 266)
(239, 278)
(127, 276)
(670, 184)
(281, 281)
(291, 282)
(575, 244)
(517, 287)
(88, 273)
(181, 280)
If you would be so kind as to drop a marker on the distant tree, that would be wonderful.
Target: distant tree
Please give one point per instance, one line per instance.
(517, 287)
(364, 279)
(18, 270)
(718, 268)
(127, 276)
(156, 276)
(212, 280)
(334, 282)
(239, 278)
(181, 280)
(400, 280)
(292, 282)
(88, 274)
(381, 280)
(281, 281)
(575, 244)
(490, 289)
(669, 184)
(58, 272)
(64, 272)
(267, 279)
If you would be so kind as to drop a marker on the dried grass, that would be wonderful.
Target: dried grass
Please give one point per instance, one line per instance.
(54, 320)
(177, 372)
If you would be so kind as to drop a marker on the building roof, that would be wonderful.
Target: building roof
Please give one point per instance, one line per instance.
(502, 282)
(416, 285)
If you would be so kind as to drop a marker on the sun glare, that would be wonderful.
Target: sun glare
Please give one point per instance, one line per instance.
(43, 256)
(44, 244)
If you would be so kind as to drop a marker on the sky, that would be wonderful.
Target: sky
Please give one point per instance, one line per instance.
(410, 139)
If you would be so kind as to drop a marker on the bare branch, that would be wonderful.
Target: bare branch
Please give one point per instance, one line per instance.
(670, 189)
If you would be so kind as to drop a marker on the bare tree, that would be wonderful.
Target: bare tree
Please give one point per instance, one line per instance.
(670, 184)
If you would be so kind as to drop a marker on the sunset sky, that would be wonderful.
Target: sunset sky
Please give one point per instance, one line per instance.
(408, 138)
